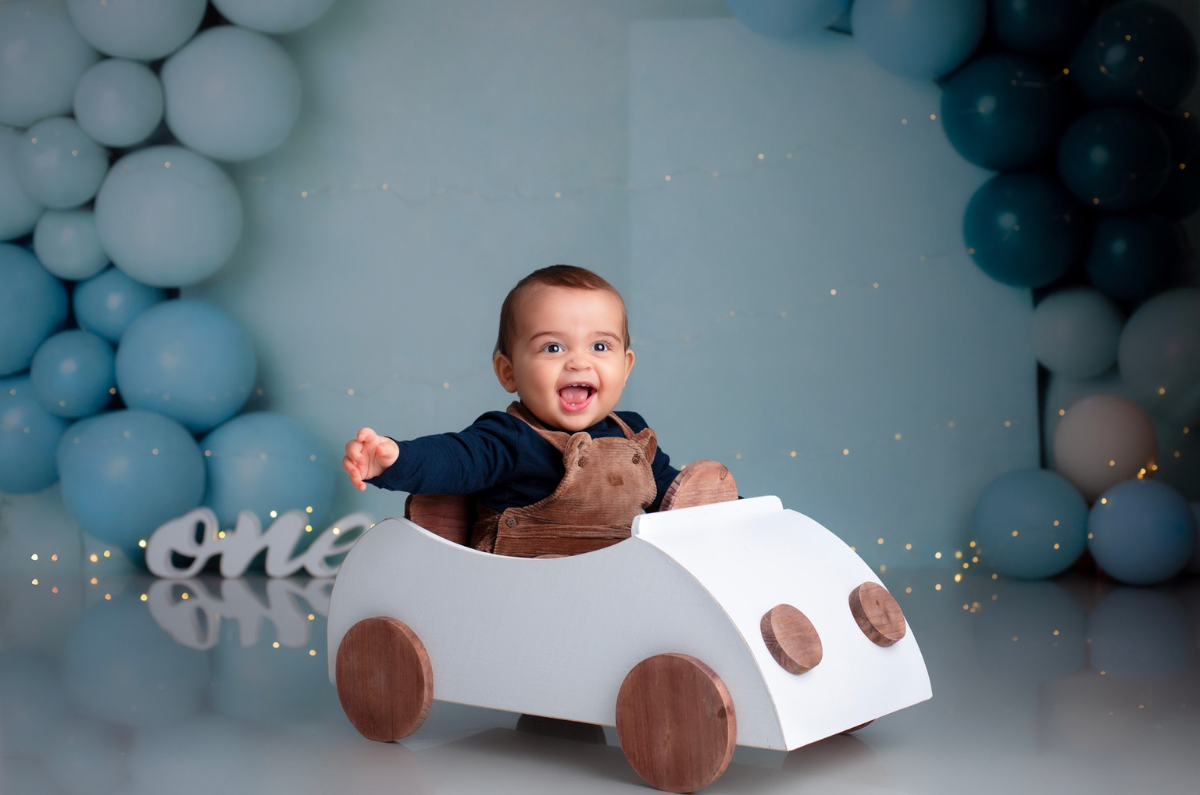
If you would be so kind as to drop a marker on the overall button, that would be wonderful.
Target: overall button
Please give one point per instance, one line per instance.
(511, 521)
(582, 461)
(636, 458)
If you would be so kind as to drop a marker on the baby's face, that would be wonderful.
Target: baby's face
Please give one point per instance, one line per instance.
(564, 337)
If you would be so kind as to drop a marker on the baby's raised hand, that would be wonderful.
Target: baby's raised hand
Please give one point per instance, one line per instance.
(367, 455)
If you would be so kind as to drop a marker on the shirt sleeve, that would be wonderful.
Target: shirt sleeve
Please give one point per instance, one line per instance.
(479, 456)
(664, 473)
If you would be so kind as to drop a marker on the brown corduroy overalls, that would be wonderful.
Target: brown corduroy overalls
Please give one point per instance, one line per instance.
(608, 481)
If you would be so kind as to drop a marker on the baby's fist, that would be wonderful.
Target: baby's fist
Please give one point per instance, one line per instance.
(367, 455)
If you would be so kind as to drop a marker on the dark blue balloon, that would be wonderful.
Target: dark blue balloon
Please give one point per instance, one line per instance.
(1114, 159)
(1136, 53)
(1134, 257)
(1181, 195)
(1141, 532)
(1024, 228)
(1040, 27)
(1005, 112)
(107, 303)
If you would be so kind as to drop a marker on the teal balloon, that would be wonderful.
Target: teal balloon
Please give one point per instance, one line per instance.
(1075, 333)
(1180, 197)
(1024, 228)
(1114, 159)
(33, 305)
(1134, 257)
(107, 303)
(43, 58)
(29, 437)
(781, 18)
(232, 94)
(66, 243)
(1141, 532)
(119, 102)
(58, 165)
(187, 360)
(167, 216)
(263, 462)
(275, 16)
(1159, 356)
(144, 30)
(1040, 27)
(72, 374)
(1005, 112)
(1136, 53)
(1139, 633)
(1030, 524)
(18, 211)
(918, 38)
(126, 472)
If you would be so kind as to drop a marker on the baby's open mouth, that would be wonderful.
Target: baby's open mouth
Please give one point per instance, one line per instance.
(576, 396)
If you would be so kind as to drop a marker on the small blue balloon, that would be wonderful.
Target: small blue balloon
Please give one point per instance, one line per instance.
(1042, 27)
(73, 374)
(144, 30)
(44, 57)
(58, 165)
(1141, 532)
(188, 360)
(18, 211)
(67, 245)
(918, 38)
(1075, 333)
(29, 437)
(1180, 197)
(118, 102)
(33, 305)
(1135, 257)
(1024, 228)
(263, 462)
(783, 18)
(1139, 633)
(1005, 111)
(275, 16)
(107, 303)
(1030, 524)
(124, 473)
(1114, 159)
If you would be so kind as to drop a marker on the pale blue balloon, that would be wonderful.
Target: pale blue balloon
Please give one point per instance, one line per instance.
(72, 374)
(188, 360)
(785, 18)
(106, 304)
(1139, 633)
(67, 245)
(263, 462)
(1075, 332)
(42, 57)
(58, 165)
(918, 38)
(144, 30)
(33, 305)
(273, 16)
(1030, 524)
(124, 473)
(18, 211)
(29, 436)
(118, 102)
(1159, 355)
(232, 94)
(1141, 532)
(167, 216)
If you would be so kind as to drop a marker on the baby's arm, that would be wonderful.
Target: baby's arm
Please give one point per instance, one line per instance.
(368, 455)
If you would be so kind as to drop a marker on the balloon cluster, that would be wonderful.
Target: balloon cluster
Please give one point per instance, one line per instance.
(1076, 105)
(108, 380)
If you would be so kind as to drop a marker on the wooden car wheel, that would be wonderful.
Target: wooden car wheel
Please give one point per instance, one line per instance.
(384, 679)
(675, 722)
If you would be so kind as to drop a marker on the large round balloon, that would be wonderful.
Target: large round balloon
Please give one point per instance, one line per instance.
(1062, 393)
(1004, 111)
(1141, 532)
(118, 102)
(58, 165)
(1030, 524)
(126, 472)
(1139, 633)
(29, 436)
(106, 304)
(285, 16)
(18, 211)
(781, 18)
(1043, 27)
(1180, 197)
(1159, 355)
(232, 94)
(144, 30)
(1024, 229)
(190, 204)
(1114, 159)
(188, 360)
(67, 245)
(42, 57)
(1103, 440)
(1133, 257)
(918, 38)
(1075, 332)
(264, 462)
(33, 305)
(72, 374)
(1136, 53)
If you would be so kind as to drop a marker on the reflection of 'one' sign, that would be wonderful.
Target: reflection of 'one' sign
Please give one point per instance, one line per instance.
(196, 536)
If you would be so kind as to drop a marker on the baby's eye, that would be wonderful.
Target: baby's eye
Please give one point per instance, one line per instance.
(605, 344)
(552, 345)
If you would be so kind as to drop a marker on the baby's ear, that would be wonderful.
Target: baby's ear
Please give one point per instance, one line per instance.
(504, 372)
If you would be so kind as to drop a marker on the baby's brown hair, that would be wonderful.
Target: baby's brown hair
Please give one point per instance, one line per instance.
(552, 276)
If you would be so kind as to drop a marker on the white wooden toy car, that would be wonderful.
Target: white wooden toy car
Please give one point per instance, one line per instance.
(737, 622)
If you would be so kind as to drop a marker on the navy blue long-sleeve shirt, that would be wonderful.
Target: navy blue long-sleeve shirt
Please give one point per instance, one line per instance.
(501, 460)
